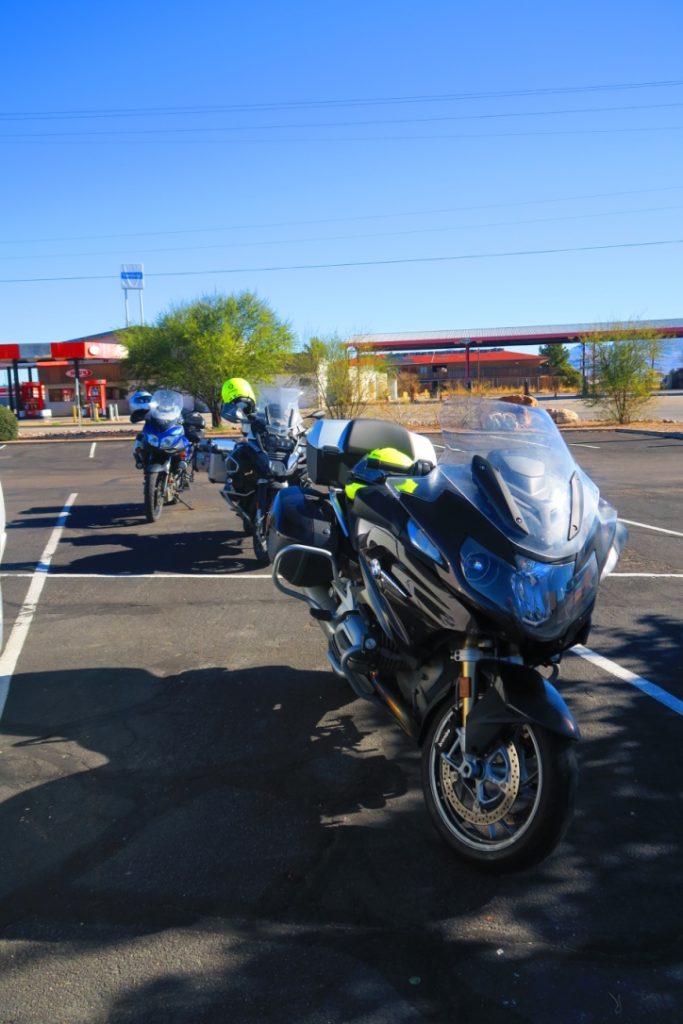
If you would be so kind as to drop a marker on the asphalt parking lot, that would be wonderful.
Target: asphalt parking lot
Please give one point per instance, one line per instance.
(199, 824)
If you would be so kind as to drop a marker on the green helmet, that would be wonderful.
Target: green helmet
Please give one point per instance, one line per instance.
(236, 388)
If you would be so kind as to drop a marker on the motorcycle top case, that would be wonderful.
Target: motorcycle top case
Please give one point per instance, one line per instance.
(194, 424)
(298, 518)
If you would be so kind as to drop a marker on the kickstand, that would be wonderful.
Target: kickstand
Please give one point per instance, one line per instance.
(183, 502)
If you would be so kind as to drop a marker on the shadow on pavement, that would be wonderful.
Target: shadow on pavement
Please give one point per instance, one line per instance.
(267, 845)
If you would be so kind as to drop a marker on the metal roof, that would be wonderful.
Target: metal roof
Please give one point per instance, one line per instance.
(531, 335)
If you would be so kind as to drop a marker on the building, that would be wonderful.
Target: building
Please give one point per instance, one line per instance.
(433, 357)
(96, 362)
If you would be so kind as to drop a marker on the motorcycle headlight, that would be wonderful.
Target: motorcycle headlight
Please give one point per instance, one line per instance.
(538, 589)
(533, 592)
(152, 439)
(169, 442)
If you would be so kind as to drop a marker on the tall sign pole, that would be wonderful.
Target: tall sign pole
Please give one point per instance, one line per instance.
(132, 279)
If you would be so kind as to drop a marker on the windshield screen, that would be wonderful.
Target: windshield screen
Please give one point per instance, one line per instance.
(279, 407)
(511, 462)
(166, 406)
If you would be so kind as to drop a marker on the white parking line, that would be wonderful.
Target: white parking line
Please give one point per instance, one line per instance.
(578, 444)
(651, 689)
(146, 575)
(22, 624)
(92, 449)
(646, 526)
(646, 575)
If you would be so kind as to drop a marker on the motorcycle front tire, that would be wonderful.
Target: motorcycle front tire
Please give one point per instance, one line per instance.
(527, 794)
(155, 484)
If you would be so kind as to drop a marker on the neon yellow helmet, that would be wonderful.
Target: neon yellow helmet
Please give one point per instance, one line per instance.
(236, 388)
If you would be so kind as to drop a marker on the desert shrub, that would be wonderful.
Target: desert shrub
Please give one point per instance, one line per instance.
(9, 427)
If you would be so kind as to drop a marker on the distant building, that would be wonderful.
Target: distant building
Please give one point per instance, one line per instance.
(55, 364)
(436, 358)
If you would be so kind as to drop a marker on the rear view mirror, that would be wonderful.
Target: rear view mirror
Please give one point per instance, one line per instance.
(138, 415)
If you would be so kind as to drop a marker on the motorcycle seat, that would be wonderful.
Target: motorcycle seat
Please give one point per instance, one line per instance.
(334, 447)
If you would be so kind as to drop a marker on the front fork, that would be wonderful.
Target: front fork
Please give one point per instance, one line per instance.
(467, 682)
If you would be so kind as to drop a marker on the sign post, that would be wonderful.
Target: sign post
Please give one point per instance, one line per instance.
(77, 390)
(132, 279)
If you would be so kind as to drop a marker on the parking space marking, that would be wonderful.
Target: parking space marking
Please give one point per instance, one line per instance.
(92, 449)
(146, 575)
(17, 638)
(646, 575)
(611, 667)
(646, 526)
(579, 444)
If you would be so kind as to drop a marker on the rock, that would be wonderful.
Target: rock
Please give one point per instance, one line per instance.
(519, 399)
(563, 415)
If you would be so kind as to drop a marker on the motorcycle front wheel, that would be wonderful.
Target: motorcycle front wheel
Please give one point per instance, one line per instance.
(512, 810)
(259, 538)
(154, 495)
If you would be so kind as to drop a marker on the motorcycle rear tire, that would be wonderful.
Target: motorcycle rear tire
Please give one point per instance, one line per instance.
(260, 540)
(155, 485)
(523, 833)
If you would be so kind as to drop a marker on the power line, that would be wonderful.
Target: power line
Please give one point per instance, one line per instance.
(339, 124)
(339, 220)
(357, 263)
(342, 139)
(346, 220)
(355, 237)
(333, 103)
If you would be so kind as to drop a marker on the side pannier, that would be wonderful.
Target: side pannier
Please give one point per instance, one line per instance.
(300, 518)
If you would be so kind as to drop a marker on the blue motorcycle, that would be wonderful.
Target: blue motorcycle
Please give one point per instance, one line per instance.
(165, 449)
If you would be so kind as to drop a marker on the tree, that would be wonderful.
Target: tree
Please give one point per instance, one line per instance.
(193, 348)
(9, 428)
(346, 379)
(557, 364)
(623, 371)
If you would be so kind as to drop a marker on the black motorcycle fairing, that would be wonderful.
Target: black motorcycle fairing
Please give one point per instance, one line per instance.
(449, 520)
(409, 592)
(515, 695)
(245, 464)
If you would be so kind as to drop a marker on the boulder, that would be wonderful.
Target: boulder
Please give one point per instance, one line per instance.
(519, 399)
(563, 415)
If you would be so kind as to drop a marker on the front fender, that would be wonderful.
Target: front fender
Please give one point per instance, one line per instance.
(516, 695)
(158, 467)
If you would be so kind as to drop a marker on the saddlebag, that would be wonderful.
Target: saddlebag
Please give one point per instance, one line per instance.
(299, 518)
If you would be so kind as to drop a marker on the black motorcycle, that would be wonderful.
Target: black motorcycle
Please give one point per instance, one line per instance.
(448, 594)
(166, 449)
(271, 456)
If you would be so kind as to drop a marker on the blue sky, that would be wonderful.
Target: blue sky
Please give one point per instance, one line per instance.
(280, 135)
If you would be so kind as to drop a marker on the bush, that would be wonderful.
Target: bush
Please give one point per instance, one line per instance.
(9, 428)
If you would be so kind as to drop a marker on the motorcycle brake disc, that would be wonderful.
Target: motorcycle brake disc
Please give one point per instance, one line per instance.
(476, 814)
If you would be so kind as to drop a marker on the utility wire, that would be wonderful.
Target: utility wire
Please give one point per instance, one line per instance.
(345, 220)
(358, 263)
(341, 139)
(338, 124)
(331, 103)
(344, 238)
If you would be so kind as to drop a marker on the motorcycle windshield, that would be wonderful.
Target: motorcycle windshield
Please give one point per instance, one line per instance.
(166, 406)
(279, 408)
(511, 462)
